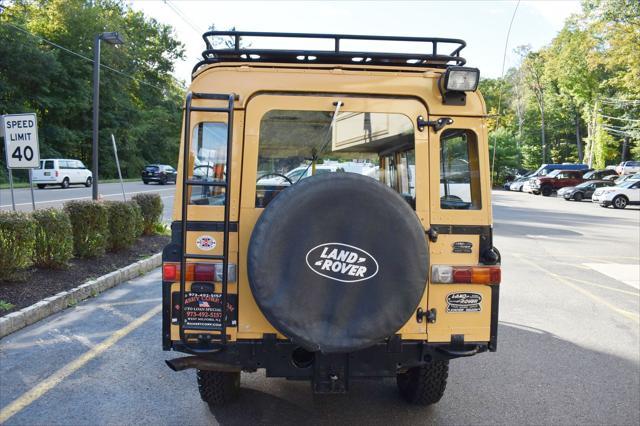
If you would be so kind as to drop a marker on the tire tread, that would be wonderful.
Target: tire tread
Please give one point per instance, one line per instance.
(218, 388)
(424, 385)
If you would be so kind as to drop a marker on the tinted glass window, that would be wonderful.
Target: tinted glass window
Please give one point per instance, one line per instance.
(459, 170)
(295, 143)
(208, 163)
(48, 164)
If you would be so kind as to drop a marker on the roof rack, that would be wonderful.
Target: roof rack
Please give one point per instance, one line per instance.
(234, 52)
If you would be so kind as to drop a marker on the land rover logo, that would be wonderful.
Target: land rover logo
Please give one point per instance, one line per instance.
(342, 262)
(464, 302)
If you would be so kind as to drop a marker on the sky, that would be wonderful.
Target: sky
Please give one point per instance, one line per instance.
(482, 24)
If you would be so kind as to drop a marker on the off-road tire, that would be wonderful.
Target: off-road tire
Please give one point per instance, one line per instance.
(619, 202)
(88, 182)
(41, 186)
(424, 385)
(578, 196)
(546, 191)
(65, 183)
(218, 388)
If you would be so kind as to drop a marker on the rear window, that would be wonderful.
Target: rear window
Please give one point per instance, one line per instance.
(48, 164)
(151, 168)
(297, 144)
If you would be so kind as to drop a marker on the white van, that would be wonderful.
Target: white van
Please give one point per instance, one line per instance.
(63, 172)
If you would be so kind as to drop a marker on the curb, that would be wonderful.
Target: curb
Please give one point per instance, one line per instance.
(56, 303)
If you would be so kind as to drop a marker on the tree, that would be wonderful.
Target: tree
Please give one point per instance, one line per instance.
(533, 66)
(140, 103)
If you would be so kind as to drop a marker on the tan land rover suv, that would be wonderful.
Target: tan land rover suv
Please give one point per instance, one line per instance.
(333, 215)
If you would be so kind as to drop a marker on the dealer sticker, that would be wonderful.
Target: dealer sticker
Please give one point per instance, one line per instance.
(464, 302)
(206, 242)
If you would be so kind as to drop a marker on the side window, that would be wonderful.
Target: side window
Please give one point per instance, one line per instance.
(63, 164)
(208, 163)
(459, 170)
(81, 165)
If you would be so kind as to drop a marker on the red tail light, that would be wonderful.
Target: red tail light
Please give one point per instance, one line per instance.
(445, 274)
(56, 173)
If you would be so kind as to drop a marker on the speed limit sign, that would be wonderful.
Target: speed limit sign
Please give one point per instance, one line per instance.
(21, 141)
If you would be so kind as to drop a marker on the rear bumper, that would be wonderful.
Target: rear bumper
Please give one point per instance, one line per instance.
(285, 359)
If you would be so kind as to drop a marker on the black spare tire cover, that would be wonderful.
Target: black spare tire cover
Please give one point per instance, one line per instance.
(338, 262)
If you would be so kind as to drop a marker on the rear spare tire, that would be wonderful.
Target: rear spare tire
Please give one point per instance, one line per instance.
(338, 262)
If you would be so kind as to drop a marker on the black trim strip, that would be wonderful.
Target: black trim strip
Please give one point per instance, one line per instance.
(462, 229)
(211, 226)
(493, 328)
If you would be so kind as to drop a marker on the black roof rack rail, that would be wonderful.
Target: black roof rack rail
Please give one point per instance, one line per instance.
(232, 51)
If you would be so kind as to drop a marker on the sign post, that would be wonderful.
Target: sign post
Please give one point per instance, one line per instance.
(21, 146)
(115, 152)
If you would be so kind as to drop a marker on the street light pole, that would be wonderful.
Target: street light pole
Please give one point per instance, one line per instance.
(111, 38)
(96, 106)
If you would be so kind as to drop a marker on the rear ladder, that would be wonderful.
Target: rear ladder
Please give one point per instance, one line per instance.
(213, 344)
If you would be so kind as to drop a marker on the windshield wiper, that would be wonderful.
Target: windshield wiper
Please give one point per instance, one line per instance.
(315, 152)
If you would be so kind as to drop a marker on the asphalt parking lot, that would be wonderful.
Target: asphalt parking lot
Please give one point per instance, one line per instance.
(568, 348)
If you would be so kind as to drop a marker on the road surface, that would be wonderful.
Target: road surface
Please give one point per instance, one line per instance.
(568, 347)
(56, 197)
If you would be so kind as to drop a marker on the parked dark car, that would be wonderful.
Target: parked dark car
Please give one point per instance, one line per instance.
(599, 174)
(585, 190)
(160, 173)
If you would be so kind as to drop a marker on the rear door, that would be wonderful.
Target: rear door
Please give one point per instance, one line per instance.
(460, 216)
(281, 132)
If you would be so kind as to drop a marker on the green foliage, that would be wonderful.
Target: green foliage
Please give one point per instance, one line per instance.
(90, 223)
(17, 237)
(125, 224)
(143, 112)
(581, 93)
(151, 207)
(506, 152)
(53, 238)
(162, 229)
(605, 150)
(5, 306)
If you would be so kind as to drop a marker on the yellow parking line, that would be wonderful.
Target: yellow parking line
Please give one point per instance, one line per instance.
(603, 286)
(56, 378)
(630, 315)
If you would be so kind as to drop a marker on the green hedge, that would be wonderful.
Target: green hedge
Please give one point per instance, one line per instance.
(125, 224)
(17, 239)
(54, 238)
(90, 222)
(151, 207)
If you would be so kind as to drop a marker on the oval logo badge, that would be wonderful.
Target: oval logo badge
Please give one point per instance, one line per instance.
(342, 262)
(206, 242)
(464, 302)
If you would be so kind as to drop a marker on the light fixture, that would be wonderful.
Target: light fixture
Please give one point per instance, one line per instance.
(455, 82)
(111, 38)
